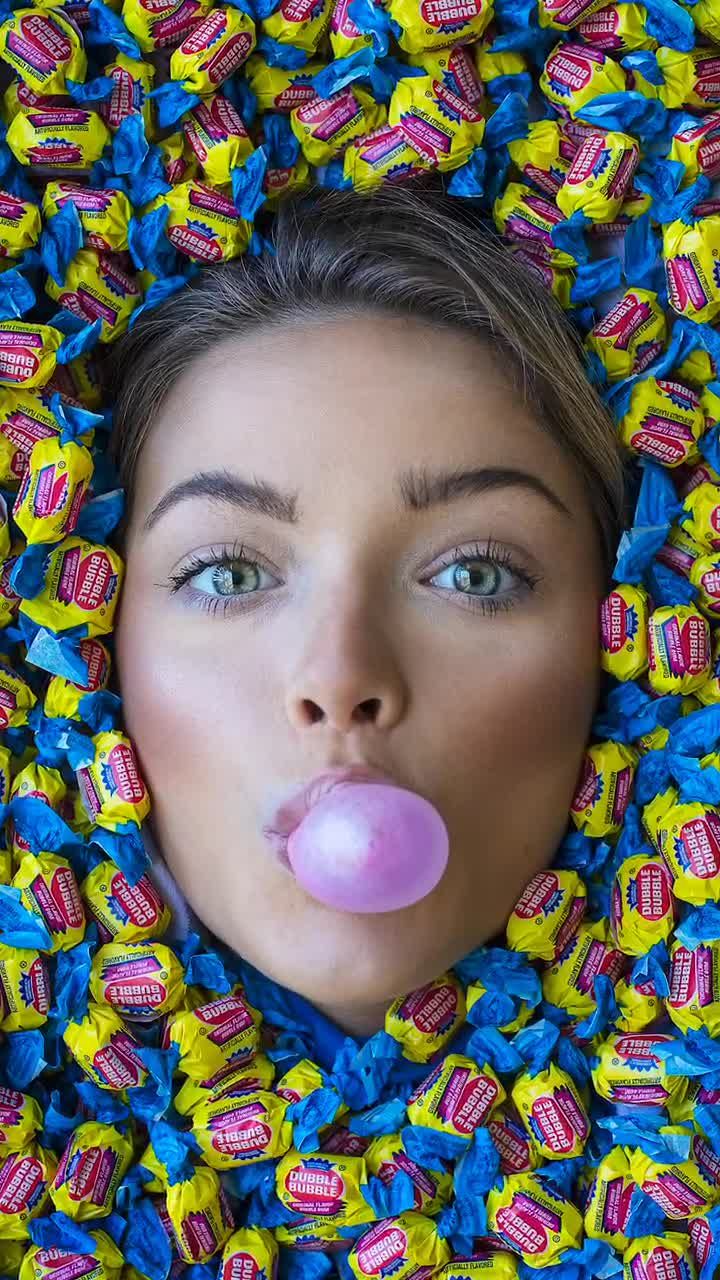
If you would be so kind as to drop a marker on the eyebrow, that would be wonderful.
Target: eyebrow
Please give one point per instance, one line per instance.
(419, 490)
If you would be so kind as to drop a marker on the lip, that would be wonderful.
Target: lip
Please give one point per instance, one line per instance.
(293, 810)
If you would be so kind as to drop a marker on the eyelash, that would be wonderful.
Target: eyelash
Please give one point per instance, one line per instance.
(489, 552)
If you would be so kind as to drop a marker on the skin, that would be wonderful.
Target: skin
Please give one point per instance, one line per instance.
(353, 643)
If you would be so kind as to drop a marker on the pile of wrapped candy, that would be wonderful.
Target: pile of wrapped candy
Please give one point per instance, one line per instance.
(548, 1107)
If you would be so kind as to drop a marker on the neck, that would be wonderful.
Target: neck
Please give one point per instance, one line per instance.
(355, 1019)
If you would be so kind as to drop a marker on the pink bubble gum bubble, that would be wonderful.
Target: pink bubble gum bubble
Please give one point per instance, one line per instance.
(367, 847)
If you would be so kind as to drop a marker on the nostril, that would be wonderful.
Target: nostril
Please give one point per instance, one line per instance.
(368, 710)
(314, 712)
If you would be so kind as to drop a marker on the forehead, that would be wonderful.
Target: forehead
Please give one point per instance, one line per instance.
(346, 400)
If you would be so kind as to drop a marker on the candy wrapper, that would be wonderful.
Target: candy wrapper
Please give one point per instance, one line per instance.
(548, 1105)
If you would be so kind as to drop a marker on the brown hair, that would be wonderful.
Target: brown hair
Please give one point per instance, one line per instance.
(399, 251)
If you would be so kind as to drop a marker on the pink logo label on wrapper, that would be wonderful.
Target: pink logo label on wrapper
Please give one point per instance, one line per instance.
(205, 33)
(423, 1184)
(234, 52)
(315, 1187)
(121, 776)
(35, 987)
(697, 848)
(449, 15)
(138, 904)
(431, 1009)
(558, 1122)
(22, 1184)
(126, 98)
(617, 1206)
(541, 897)
(241, 1266)
(381, 1250)
(701, 1238)
(590, 787)
(525, 1225)
(87, 582)
(685, 287)
(618, 623)
(650, 891)
(229, 1017)
(242, 1131)
(691, 977)
(512, 1143)
(686, 648)
(571, 68)
(300, 10)
(467, 1100)
(341, 22)
(118, 1064)
(51, 489)
(326, 117)
(600, 29)
(60, 901)
(89, 1175)
(40, 43)
(675, 1198)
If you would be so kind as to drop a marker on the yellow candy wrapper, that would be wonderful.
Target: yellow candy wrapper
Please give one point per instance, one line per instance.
(24, 989)
(557, 280)
(599, 176)
(423, 1021)
(683, 1187)
(203, 223)
(456, 1097)
(112, 788)
(697, 147)
(214, 1034)
(301, 23)
(628, 1070)
(133, 82)
(547, 914)
(668, 1256)
(439, 125)
(679, 654)
(485, 1264)
(687, 836)
(690, 253)
(25, 1178)
(324, 126)
(438, 24)
(552, 1111)
(680, 551)
(689, 79)
(123, 912)
(624, 615)
(63, 697)
(9, 600)
(81, 582)
(250, 1253)
(386, 1157)
(179, 163)
(694, 977)
(44, 49)
(230, 1082)
(609, 1199)
(324, 1186)
(302, 1079)
(408, 1245)
(139, 980)
(544, 156)
(705, 575)
(642, 911)
(574, 74)
(108, 1054)
(213, 50)
(277, 89)
(563, 15)
(709, 693)
(200, 1215)
(90, 1171)
(568, 982)
(97, 287)
(345, 36)
(533, 1219)
(518, 1154)
(104, 213)
(16, 698)
(49, 891)
(529, 219)
(616, 28)
(381, 156)
(42, 784)
(66, 138)
(455, 69)
(53, 490)
(218, 138)
(604, 788)
(20, 224)
(27, 353)
(25, 418)
(664, 421)
(639, 1005)
(630, 336)
(164, 22)
(78, 382)
(20, 1119)
(106, 1261)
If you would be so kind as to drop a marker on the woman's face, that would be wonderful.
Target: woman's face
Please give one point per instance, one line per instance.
(448, 639)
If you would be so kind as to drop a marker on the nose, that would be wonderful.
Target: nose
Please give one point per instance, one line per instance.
(347, 676)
